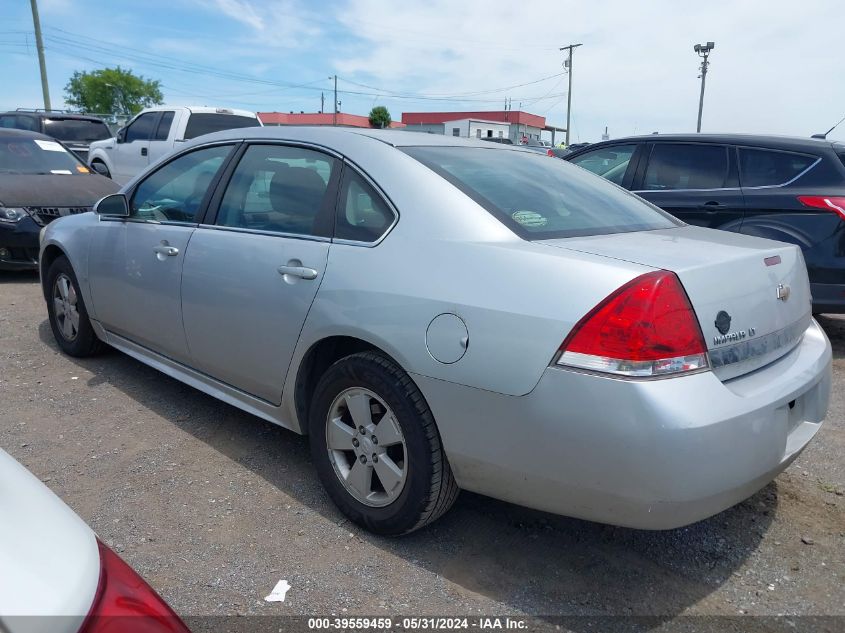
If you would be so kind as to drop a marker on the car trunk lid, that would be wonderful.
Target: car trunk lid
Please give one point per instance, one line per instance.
(751, 295)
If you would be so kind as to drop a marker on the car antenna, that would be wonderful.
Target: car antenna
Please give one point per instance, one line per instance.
(824, 136)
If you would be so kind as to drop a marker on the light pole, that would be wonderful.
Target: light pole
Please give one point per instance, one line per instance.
(42, 64)
(568, 65)
(334, 118)
(703, 51)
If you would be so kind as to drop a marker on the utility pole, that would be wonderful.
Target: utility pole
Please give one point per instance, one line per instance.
(334, 118)
(568, 65)
(322, 102)
(39, 44)
(703, 51)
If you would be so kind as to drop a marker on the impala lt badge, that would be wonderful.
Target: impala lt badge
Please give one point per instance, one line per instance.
(723, 324)
(783, 292)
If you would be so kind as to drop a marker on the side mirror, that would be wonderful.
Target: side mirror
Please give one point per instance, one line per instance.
(120, 137)
(115, 205)
(100, 168)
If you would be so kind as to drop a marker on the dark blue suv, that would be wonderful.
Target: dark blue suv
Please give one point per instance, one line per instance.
(781, 188)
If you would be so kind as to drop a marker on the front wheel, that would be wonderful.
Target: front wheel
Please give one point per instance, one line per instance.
(68, 316)
(376, 447)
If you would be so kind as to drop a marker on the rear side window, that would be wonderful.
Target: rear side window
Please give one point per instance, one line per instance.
(607, 162)
(201, 123)
(686, 166)
(763, 167)
(279, 189)
(540, 198)
(362, 215)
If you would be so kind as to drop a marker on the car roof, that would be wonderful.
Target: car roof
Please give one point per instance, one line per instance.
(9, 132)
(52, 114)
(325, 135)
(771, 141)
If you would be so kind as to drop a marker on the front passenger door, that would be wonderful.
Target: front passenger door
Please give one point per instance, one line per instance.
(253, 270)
(135, 263)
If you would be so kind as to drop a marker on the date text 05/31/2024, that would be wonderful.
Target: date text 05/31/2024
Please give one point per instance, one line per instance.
(420, 623)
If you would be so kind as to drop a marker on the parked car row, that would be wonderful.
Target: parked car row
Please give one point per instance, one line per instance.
(40, 149)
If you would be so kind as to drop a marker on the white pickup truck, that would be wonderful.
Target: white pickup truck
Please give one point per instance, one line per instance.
(155, 132)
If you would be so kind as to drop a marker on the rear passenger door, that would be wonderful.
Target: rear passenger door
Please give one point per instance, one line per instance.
(254, 265)
(695, 182)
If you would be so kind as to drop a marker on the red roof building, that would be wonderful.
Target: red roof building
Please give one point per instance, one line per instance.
(502, 116)
(513, 124)
(318, 118)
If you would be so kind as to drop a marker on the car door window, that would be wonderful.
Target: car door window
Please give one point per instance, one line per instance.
(141, 128)
(280, 189)
(686, 166)
(163, 128)
(362, 215)
(174, 193)
(608, 162)
(765, 168)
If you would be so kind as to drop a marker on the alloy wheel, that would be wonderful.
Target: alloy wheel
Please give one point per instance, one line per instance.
(366, 447)
(65, 307)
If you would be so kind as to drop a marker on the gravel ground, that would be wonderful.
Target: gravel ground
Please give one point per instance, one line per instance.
(214, 506)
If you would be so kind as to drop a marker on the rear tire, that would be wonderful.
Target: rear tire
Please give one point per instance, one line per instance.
(69, 321)
(399, 483)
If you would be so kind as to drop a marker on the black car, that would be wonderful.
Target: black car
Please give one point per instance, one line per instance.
(40, 181)
(781, 188)
(76, 131)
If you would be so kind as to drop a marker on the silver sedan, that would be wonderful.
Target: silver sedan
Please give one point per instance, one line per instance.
(440, 314)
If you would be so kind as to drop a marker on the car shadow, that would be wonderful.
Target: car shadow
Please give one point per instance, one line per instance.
(18, 276)
(834, 327)
(531, 562)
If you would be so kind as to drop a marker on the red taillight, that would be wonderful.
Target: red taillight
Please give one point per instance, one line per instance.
(836, 204)
(126, 603)
(645, 328)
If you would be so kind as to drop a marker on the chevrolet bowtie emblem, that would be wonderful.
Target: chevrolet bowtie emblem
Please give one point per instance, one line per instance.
(783, 292)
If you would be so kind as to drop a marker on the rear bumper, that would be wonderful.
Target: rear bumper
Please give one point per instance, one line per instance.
(21, 241)
(829, 298)
(654, 454)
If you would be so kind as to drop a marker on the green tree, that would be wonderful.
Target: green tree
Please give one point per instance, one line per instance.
(112, 90)
(379, 117)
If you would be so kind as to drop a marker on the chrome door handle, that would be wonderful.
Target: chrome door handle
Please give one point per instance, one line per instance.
(168, 251)
(298, 271)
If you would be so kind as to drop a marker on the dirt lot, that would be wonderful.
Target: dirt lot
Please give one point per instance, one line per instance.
(214, 506)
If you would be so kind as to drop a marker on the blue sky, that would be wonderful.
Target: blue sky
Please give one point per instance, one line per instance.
(776, 67)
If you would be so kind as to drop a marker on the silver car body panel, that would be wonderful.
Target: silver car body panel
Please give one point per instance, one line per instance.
(644, 453)
(49, 558)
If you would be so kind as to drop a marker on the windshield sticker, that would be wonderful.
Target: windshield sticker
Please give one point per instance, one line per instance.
(529, 218)
(49, 146)
(61, 171)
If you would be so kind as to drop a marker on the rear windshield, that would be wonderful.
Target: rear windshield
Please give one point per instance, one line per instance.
(205, 123)
(76, 130)
(36, 156)
(539, 197)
